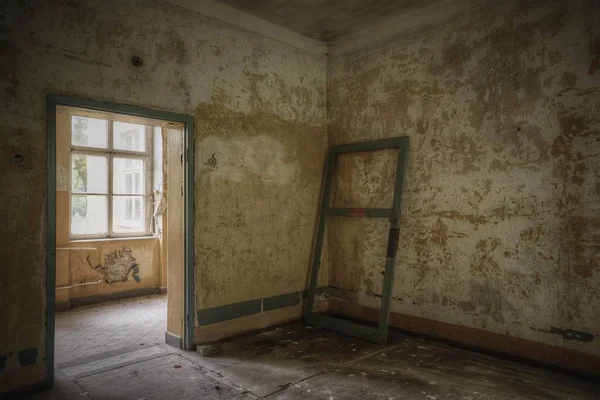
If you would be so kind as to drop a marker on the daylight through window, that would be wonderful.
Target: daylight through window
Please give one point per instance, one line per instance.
(110, 178)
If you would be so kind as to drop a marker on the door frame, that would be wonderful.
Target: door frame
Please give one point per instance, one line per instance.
(52, 101)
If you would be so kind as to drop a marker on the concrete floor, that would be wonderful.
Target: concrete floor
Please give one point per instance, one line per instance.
(300, 362)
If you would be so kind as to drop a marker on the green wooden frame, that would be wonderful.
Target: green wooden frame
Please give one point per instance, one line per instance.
(52, 101)
(379, 334)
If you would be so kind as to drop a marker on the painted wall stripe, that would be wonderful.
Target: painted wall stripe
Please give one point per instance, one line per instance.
(281, 301)
(25, 357)
(322, 291)
(28, 357)
(213, 315)
(228, 312)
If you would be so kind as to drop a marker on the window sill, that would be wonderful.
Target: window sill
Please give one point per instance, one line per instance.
(113, 239)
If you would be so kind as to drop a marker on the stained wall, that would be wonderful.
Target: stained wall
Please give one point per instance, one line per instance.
(259, 106)
(500, 225)
(500, 207)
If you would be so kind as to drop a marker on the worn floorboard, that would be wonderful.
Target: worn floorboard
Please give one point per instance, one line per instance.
(111, 326)
(418, 369)
(168, 377)
(299, 362)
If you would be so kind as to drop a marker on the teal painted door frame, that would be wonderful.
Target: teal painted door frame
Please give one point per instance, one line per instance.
(52, 101)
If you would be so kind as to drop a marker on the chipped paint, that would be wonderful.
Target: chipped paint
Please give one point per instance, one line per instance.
(253, 238)
(500, 221)
(499, 230)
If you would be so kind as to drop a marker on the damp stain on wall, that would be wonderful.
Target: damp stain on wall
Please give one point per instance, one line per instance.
(259, 175)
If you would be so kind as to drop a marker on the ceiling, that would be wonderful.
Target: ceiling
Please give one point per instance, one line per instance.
(327, 20)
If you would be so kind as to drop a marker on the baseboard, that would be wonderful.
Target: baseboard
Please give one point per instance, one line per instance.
(234, 311)
(101, 298)
(62, 306)
(212, 348)
(504, 346)
(163, 290)
(174, 340)
(251, 324)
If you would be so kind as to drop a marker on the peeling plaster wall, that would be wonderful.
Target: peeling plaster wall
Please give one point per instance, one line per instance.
(146, 253)
(501, 217)
(259, 104)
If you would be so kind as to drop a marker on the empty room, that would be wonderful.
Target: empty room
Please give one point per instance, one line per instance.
(285, 199)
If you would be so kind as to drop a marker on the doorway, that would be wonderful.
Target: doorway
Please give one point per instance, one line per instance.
(113, 170)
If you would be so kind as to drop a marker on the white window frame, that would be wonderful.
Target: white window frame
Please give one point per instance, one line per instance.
(110, 153)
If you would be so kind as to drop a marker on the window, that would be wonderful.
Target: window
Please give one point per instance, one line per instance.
(110, 178)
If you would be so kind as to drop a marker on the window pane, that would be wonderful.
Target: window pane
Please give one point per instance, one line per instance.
(128, 176)
(89, 132)
(89, 215)
(130, 137)
(128, 214)
(89, 174)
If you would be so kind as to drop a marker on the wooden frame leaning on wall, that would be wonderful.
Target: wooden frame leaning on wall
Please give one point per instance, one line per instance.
(365, 332)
